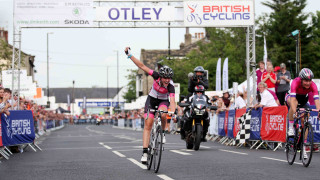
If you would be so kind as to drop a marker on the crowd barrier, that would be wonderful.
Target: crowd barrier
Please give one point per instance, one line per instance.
(267, 125)
(20, 130)
(135, 124)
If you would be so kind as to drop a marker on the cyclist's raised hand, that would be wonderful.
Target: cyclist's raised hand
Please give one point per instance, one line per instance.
(127, 51)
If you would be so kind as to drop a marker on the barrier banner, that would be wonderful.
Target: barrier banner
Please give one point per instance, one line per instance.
(221, 119)
(226, 123)
(0, 135)
(236, 126)
(255, 124)
(274, 123)
(18, 128)
(231, 116)
(315, 125)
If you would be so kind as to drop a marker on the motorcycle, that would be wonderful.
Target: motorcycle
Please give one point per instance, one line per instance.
(196, 113)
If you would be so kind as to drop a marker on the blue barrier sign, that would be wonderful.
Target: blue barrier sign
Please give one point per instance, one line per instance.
(315, 125)
(231, 116)
(18, 128)
(255, 124)
(221, 118)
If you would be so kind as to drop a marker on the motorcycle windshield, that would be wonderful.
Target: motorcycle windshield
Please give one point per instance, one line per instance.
(199, 101)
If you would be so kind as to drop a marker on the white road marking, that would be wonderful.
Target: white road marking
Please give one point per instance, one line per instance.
(108, 147)
(235, 152)
(274, 159)
(165, 177)
(72, 148)
(179, 152)
(206, 147)
(137, 163)
(119, 154)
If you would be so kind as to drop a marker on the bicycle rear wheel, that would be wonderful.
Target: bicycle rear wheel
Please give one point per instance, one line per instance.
(308, 145)
(291, 149)
(150, 156)
(157, 149)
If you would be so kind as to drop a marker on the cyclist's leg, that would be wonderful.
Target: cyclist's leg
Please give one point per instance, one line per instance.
(149, 117)
(163, 105)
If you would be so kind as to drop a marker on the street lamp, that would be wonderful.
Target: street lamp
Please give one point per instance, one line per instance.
(48, 102)
(73, 98)
(118, 78)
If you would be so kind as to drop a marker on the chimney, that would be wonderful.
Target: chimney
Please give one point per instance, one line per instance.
(187, 37)
(4, 34)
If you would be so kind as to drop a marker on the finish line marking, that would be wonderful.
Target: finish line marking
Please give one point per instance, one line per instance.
(274, 159)
(235, 152)
(179, 152)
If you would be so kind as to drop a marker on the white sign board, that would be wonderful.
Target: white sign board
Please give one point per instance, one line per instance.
(154, 13)
(177, 91)
(27, 87)
(57, 13)
(221, 13)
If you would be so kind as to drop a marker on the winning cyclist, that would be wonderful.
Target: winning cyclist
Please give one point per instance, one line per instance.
(159, 94)
(300, 87)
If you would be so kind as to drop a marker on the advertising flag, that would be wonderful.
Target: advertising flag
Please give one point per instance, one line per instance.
(255, 124)
(231, 117)
(218, 75)
(265, 53)
(225, 83)
(84, 106)
(221, 119)
(236, 128)
(68, 99)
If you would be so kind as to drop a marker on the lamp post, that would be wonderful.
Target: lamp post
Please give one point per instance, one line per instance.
(73, 97)
(118, 79)
(48, 102)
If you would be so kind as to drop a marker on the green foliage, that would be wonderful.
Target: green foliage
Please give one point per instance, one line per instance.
(131, 94)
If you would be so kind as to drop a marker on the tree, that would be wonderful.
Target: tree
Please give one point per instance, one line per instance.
(286, 17)
(131, 94)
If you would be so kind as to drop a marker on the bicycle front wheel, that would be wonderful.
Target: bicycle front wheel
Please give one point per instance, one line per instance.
(157, 149)
(307, 145)
(291, 149)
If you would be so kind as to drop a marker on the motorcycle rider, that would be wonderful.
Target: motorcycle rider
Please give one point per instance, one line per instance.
(198, 91)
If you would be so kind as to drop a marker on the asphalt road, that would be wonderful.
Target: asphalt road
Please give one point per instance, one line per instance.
(101, 152)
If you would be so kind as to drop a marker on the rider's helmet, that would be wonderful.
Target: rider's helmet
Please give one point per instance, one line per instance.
(166, 72)
(199, 69)
(306, 74)
(199, 88)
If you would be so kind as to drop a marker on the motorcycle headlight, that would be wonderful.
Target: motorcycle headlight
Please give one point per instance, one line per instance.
(199, 112)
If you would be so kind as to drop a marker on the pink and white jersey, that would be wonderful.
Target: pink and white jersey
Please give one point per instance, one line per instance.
(158, 91)
(296, 88)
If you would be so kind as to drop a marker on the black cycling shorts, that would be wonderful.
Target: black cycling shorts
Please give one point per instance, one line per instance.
(151, 103)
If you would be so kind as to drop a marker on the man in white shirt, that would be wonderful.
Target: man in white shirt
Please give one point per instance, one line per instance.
(267, 99)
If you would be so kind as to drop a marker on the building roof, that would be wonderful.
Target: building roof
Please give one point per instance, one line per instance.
(90, 93)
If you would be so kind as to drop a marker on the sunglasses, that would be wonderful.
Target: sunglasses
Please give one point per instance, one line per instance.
(16, 95)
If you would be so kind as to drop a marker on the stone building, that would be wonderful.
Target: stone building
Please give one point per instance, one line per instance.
(151, 58)
(27, 60)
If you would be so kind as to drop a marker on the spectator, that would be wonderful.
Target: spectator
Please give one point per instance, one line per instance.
(267, 100)
(276, 71)
(260, 71)
(269, 78)
(226, 99)
(240, 102)
(283, 79)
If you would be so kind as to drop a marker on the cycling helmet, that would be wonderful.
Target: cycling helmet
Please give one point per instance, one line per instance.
(166, 71)
(306, 74)
(199, 88)
(199, 69)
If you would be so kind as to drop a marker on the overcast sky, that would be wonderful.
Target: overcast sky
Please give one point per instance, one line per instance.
(84, 54)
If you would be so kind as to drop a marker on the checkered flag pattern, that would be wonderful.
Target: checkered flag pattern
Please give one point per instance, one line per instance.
(244, 132)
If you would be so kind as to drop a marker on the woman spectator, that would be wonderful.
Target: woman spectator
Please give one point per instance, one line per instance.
(269, 78)
(260, 71)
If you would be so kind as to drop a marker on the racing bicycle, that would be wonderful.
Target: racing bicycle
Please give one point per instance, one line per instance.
(155, 146)
(302, 139)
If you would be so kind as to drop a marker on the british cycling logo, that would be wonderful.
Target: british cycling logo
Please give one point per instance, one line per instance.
(267, 127)
(9, 133)
(194, 16)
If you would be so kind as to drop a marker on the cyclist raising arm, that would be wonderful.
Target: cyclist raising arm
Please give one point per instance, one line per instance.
(161, 90)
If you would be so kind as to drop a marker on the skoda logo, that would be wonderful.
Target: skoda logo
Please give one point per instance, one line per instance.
(77, 11)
